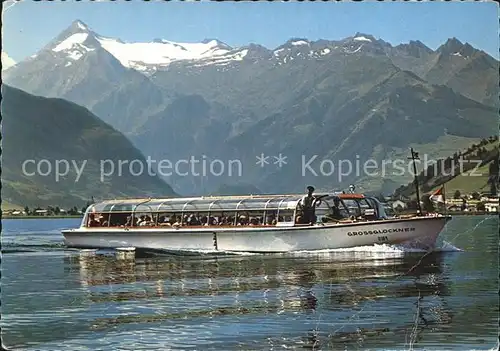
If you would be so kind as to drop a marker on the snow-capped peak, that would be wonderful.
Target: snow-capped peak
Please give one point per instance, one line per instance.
(76, 26)
(160, 52)
(362, 38)
(78, 39)
(299, 42)
(72, 41)
(81, 25)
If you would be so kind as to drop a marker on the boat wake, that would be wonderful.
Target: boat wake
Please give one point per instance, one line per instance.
(378, 248)
(369, 251)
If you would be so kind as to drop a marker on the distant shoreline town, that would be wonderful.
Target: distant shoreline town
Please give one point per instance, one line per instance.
(48, 212)
(469, 204)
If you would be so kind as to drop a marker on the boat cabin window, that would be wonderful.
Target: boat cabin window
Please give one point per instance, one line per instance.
(353, 207)
(343, 207)
(286, 216)
(209, 211)
(322, 210)
(167, 219)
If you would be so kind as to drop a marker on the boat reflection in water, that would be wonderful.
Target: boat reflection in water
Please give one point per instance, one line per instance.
(335, 286)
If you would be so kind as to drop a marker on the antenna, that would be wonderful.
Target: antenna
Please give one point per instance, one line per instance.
(414, 156)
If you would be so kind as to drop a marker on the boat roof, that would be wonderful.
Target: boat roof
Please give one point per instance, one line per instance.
(209, 203)
(200, 204)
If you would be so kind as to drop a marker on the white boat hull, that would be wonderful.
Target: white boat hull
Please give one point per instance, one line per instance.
(419, 232)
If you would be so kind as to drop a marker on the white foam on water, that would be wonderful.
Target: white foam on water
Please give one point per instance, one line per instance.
(385, 250)
(447, 247)
(376, 248)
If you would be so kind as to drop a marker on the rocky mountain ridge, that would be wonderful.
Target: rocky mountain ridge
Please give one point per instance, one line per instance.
(356, 97)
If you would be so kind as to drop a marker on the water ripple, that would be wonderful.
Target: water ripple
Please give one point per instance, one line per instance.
(377, 297)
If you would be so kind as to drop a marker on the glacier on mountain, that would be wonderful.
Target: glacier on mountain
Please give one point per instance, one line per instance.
(70, 42)
(159, 53)
(361, 38)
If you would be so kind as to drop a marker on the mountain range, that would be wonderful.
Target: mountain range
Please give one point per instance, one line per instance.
(40, 134)
(358, 98)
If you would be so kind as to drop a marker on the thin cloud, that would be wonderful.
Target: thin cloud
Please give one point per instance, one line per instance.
(7, 61)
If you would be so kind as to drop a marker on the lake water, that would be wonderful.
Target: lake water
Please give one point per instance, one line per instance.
(368, 298)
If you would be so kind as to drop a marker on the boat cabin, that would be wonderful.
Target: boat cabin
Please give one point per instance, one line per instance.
(260, 210)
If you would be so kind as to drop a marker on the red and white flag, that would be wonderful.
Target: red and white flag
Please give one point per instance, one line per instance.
(438, 195)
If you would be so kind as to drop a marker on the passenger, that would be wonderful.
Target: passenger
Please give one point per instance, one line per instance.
(243, 220)
(142, 221)
(103, 220)
(173, 219)
(204, 220)
(128, 222)
(165, 222)
(336, 214)
(92, 221)
(195, 220)
(227, 221)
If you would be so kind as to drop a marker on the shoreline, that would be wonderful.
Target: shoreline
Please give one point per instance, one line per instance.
(455, 213)
(462, 213)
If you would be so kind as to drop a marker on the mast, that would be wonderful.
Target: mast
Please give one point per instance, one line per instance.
(414, 156)
(444, 199)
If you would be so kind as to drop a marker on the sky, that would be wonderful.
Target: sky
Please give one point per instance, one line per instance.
(29, 25)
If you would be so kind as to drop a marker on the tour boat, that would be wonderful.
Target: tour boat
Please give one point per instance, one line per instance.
(254, 223)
